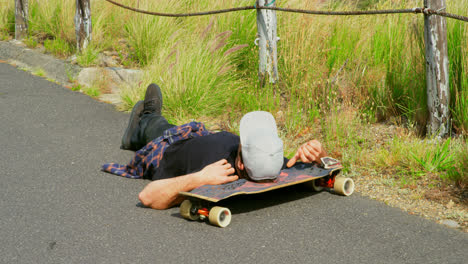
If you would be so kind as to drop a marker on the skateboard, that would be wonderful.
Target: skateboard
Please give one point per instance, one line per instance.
(199, 202)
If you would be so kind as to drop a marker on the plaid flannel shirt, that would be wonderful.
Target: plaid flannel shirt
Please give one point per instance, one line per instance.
(151, 155)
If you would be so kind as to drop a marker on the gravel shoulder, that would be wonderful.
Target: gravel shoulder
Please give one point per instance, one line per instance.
(440, 205)
(428, 196)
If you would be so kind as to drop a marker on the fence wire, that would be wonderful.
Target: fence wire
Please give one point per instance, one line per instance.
(417, 10)
(213, 12)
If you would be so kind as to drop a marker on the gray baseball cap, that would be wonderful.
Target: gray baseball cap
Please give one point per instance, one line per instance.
(262, 149)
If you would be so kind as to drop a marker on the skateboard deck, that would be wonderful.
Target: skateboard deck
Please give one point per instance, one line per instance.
(297, 174)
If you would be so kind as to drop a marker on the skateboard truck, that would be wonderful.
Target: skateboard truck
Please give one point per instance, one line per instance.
(327, 182)
(341, 185)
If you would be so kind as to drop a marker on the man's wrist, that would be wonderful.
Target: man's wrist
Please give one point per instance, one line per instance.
(199, 179)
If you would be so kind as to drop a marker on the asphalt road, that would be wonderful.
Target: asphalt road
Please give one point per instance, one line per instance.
(56, 206)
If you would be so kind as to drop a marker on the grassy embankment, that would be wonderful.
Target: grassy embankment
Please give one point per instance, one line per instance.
(340, 76)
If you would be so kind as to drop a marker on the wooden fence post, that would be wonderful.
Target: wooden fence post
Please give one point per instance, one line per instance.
(21, 19)
(266, 24)
(437, 70)
(83, 24)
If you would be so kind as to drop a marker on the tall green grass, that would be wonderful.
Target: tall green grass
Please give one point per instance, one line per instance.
(147, 35)
(194, 79)
(458, 58)
(7, 19)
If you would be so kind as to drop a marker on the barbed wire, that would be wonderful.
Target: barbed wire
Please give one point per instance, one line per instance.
(416, 10)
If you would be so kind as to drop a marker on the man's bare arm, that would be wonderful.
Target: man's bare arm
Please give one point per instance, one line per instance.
(163, 194)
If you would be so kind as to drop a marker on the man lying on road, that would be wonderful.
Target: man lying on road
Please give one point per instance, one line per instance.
(182, 158)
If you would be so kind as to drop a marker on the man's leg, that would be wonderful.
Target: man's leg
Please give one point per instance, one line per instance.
(146, 122)
(152, 126)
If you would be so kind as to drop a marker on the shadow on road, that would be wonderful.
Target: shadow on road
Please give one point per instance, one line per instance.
(246, 203)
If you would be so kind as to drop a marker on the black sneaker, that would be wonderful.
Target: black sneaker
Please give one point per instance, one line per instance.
(153, 100)
(133, 125)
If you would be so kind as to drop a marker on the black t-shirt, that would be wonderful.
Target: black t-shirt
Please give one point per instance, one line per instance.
(192, 155)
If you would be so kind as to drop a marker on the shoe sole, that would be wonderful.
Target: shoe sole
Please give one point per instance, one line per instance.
(157, 97)
(132, 123)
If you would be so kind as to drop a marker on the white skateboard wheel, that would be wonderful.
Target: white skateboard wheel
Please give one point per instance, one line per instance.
(186, 211)
(220, 216)
(343, 186)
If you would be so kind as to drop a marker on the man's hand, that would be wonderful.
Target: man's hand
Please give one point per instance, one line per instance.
(218, 173)
(309, 152)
